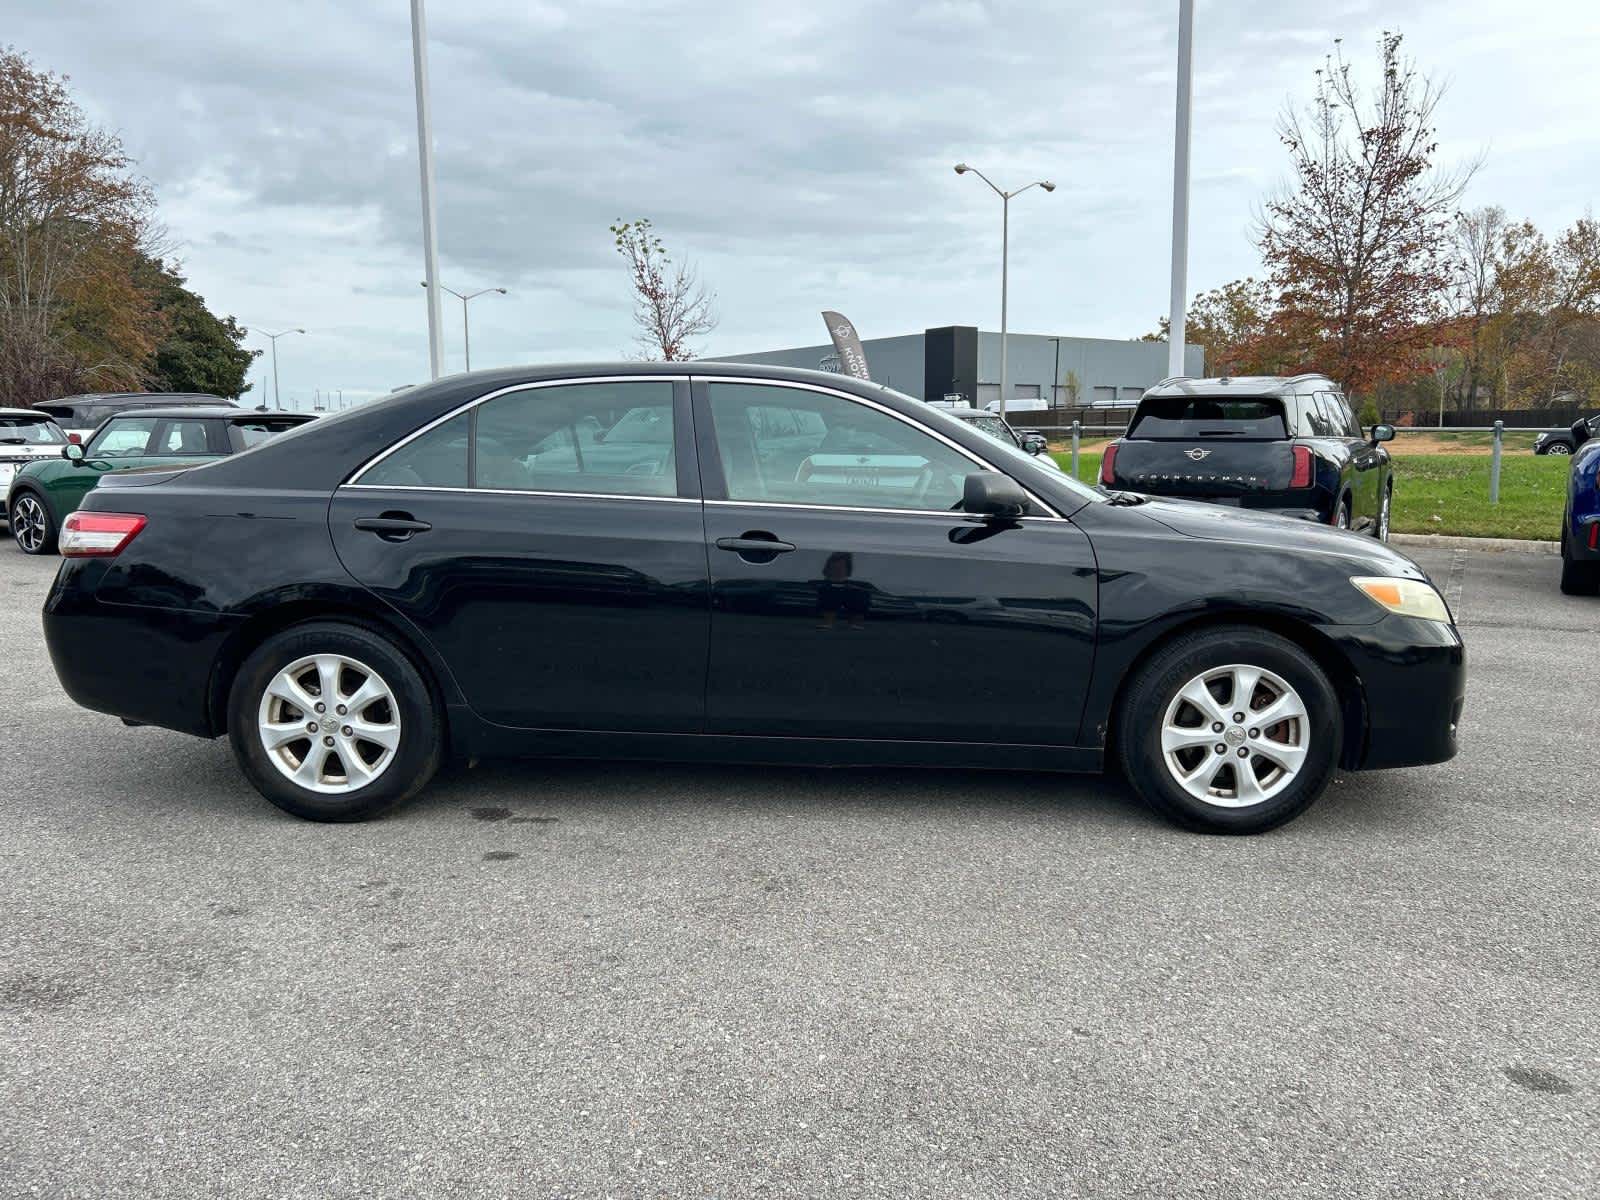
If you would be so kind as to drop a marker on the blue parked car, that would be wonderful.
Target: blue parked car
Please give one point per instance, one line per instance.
(1580, 525)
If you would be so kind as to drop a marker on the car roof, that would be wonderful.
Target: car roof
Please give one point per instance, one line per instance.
(1242, 385)
(26, 412)
(216, 412)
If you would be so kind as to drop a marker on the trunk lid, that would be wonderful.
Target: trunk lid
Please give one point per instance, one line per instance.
(1203, 467)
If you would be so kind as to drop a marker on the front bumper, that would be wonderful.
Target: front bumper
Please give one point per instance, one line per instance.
(1413, 676)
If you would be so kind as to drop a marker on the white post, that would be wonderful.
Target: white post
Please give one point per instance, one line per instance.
(1180, 191)
(430, 252)
(1005, 256)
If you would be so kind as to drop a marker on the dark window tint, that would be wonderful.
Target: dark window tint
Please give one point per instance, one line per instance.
(436, 459)
(603, 438)
(245, 434)
(1208, 416)
(802, 447)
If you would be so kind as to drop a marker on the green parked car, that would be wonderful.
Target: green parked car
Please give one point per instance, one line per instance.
(44, 492)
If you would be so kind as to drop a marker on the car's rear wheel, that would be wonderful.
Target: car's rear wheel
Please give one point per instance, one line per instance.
(32, 526)
(1558, 448)
(1577, 578)
(1230, 730)
(332, 722)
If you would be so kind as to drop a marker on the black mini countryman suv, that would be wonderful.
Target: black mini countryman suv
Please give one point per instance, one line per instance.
(1288, 446)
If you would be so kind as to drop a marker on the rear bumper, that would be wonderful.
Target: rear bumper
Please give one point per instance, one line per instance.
(1413, 677)
(151, 666)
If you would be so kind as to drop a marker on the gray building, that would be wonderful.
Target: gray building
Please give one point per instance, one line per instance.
(961, 360)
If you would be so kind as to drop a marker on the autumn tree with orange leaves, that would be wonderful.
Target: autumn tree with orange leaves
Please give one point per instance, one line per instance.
(1358, 249)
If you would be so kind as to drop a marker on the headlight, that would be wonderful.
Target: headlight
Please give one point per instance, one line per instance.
(1408, 597)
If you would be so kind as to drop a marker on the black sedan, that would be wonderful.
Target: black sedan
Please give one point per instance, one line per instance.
(717, 562)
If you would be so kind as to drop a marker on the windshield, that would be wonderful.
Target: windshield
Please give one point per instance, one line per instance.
(1014, 458)
(1190, 417)
(16, 430)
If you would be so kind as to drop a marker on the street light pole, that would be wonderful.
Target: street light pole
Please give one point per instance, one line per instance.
(430, 225)
(277, 395)
(466, 333)
(1176, 313)
(1005, 255)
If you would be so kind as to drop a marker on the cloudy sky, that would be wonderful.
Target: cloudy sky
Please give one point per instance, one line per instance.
(799, 153)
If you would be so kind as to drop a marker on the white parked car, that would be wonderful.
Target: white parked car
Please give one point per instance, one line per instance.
(25, 435)
(1020, 404)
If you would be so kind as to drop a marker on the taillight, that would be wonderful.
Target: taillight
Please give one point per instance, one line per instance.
(1302, 467)
(1594, 536)
(75, 438)
(1108, 464)
(98, 534)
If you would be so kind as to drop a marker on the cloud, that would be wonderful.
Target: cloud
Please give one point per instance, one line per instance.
(799, 154)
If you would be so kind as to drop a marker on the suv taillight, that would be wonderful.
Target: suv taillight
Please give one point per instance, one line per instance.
(1108, 464)
(98, 534)
(1302, 467)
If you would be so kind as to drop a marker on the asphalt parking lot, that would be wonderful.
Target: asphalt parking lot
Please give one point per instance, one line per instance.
(596, 980)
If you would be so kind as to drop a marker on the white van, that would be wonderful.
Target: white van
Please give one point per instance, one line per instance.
(1020, 404)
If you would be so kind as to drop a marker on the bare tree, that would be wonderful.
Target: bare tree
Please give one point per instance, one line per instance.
(670, 304)
(1478, 237)
(1359, 249)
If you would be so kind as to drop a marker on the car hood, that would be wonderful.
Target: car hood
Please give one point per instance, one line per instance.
(1241, 527)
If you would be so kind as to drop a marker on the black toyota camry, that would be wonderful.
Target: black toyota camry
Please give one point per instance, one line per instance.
(717, 562)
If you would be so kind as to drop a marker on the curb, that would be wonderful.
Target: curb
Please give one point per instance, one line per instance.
(1492, 545)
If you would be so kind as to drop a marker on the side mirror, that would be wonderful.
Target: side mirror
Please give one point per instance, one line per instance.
(72, 452)
(1035, 443)
(991, 494)
(1580, 432)
(1382, 433)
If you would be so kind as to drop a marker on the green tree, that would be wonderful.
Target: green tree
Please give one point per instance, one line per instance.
(198, 351)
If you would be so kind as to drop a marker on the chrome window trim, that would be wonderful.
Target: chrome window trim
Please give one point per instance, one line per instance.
(943, 513)
(970, 455)
(354, 479)
(472, 491)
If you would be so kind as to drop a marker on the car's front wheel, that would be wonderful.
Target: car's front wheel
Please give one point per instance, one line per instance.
(1230, 730)
(1341, 517)
(1380, 529)
(32, 526)
(333, 722)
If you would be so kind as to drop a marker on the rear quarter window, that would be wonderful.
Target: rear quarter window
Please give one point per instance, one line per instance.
(1208, 416)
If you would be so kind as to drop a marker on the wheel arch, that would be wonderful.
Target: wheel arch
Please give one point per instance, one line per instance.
(256, 629)
(1346, 683)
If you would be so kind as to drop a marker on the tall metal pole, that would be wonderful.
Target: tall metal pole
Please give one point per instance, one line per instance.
(466, 333)
(1180, 192)
(430, 251)
(1005, 256)
(277, 392)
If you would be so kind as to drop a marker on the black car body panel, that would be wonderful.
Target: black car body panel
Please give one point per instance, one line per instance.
(1250, 463)
(591, 625)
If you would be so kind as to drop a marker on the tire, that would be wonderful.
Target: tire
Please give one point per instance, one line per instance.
(1157, 735)
(1380, 527)
(1577, 578)
(396, 737)
(1558, 448)
(33, 526)
(1341, 516)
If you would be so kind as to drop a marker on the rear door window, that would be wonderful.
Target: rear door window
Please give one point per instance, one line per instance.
(437, 459)
(1190, 417)
(182, 438)
(613, 439)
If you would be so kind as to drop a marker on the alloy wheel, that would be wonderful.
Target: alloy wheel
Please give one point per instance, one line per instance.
(1235, 736)
(1383, 515)
(329, 723)
(1559, 448)
(28, 520)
